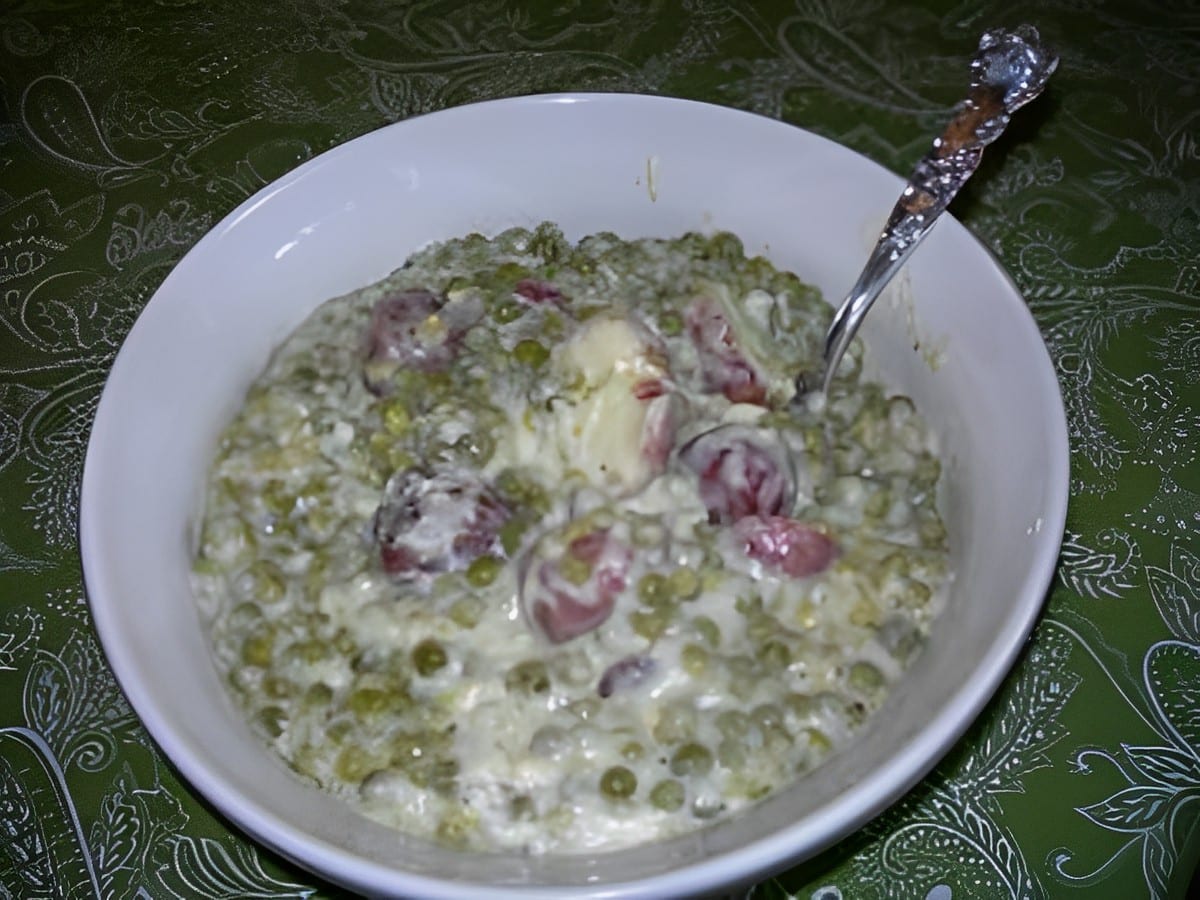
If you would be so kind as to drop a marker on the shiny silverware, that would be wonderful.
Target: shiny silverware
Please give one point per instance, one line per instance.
(1010, 69)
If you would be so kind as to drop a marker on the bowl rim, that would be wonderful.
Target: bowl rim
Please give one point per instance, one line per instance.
(756, 859)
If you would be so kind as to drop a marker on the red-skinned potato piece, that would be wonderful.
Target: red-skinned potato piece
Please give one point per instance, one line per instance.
(658, 432)
(786, 545)
(415, 329)
(742, 471)
(436, 521)
(723, 366)
(626, 674)
(536, 290)
(562, 609)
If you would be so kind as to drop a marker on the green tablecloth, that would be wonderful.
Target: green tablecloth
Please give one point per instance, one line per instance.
(131, 128)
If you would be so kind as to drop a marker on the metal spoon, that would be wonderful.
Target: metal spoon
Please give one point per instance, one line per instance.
(1010, 69)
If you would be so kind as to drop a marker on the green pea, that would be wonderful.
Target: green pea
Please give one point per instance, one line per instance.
(258, 647)
(243, 616)
(632, 750)
(733, 723)
(618, 783)
(668, 795)
(878, 503)
(928, 470)
(670, 323)
(511, 272)
(652, 589)
(306, 374)
(319, 519)
(272, 719)
(395, 417)
(338, 731)
(552, 325)
(477, 447)
(277, 499)
(367, 703)
(708, 630)
(776, 740)
(508, 311)
(743, 676)
(456, 826)
(435, 382)
(586, 709)
(511, 533)
(343, 642)
(865, 678)
(818, 741)
(310, 651)
(761, 627)
(903, 644)
(684, 584)
(405, 746)
(319, 695)
(353, 764)
(483, 570)
(528, 677)
(916, 593)
(548, 242)
(891, 565)
(277, 687)
(725, 246)
(775, 655)
(694, 659)
(933, 532)
(692, 759)
(767, 716)
(530, 353)
(510, 483)
(675, 724)
(649, 623)
(731, 753)
(264, 581)
(428, 657)
(316, 577)
(865, 613)
(466, 612)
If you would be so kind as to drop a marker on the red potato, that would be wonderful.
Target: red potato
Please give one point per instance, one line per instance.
(786, 545)
(562, 609)
(535, 290)
(415, 329)
(723, 366)
(742, 471)
(439, 521)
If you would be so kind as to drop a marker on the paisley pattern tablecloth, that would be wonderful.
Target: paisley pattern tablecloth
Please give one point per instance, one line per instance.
(129, 128)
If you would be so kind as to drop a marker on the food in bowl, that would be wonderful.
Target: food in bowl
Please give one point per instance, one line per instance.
(525, 546)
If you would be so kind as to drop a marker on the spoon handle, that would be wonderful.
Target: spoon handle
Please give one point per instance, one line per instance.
(1010, 69)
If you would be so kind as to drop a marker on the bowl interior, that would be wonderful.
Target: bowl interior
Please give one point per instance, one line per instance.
(638, 166)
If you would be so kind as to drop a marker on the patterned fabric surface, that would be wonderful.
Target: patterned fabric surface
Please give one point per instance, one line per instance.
(128, 129)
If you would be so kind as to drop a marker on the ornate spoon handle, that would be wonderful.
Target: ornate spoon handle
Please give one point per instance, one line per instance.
(1010, 69)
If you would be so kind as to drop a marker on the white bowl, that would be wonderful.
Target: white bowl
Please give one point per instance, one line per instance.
(638, 166)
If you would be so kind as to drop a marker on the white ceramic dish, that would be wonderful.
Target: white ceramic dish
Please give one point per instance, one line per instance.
(638, 166)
